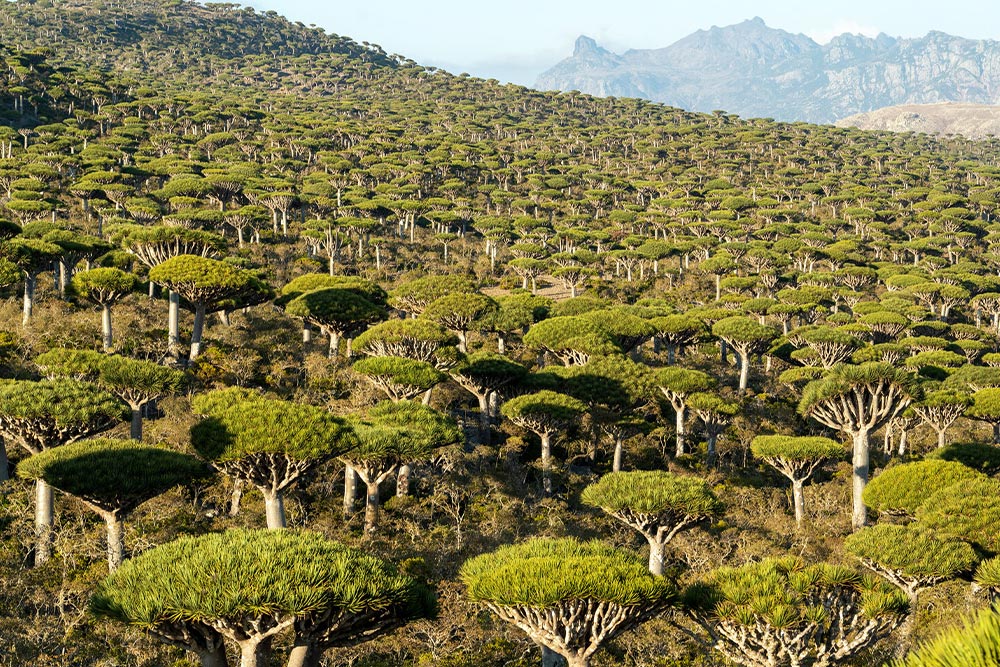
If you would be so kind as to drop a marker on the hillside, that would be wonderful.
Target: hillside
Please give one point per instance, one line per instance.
(756, 71)
(254, 283)
(974, 121)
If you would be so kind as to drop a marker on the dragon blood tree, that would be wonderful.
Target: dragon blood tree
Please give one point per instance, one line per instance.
(569, 597)
(780, 611)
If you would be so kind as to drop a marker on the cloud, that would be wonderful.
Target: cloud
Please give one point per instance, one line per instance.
(824, 34)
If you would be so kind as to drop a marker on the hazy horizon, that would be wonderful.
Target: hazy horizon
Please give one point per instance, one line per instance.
(519, 40)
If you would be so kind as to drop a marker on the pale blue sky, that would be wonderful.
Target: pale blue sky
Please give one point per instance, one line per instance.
(515, 40)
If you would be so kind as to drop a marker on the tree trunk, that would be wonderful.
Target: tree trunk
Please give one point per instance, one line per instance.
(255, 653)
(679, 427)
(484, 418)
(462, 342)
(116, 540)
(940, 438)
(306, 334)
(657, 555)
(135, 429)
(236, 498)
(106, 335)
(744, 370)
(173, 323)
(859, 514)
(4, 463)
(350, 491)
(43, 522)
(274, 507)
(403, 481)
(371, 506)
(196, 331)
(617, 465)
(546, 464)
(334, 345)
(29, 299)
(304, 654)
(798, 501)
(712, 439)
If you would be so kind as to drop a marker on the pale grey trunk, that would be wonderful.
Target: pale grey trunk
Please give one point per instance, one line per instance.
(116, 540)
(350, 491)
(463, 342)
(274, 507)
(236, 498)
(371, 506)
(679, 427)
(657, 554)
(29, 299)
(43, 522)
(744, 371)
(304, 654)
(403, 481)
(255, 653)
(798, 501)
(106, 334)
(426, 400)
(173, 323)
(859, 514)
(484, 418)
(306, 334)
(334, 345)
(196, 331)
(617, 465)
(546, 464)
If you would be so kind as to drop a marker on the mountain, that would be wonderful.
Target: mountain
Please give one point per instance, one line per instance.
(756, 71)
(974, 121)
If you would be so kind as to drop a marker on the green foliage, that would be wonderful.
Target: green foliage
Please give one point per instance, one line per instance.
(49, 413)
(845, 379)
(969, 511)
(115, 475)
(241, 423)
(796, 448)
(227, 577)
(399, 432)
(902, 489)
(978, 456)
(975, 643)
(545, 409)
(986, 405)
(104, 286)
(413, 338)
(745, 333)
(912, 550)
(209, 282)
(783, 593)
(415, 295)
(400, 377)
(341, 310)
(653, 492)
(542, 572)
(682, 381)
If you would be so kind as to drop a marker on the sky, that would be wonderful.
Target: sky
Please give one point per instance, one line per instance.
(515, 40)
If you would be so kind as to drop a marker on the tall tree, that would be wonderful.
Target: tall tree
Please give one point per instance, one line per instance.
(858, 400)
(797, 458)
(104, 287)
(546, 414)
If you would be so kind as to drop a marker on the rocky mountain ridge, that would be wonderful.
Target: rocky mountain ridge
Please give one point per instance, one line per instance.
(757, 71)
(973, 121)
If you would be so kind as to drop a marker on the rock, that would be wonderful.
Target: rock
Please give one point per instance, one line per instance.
(756, 71)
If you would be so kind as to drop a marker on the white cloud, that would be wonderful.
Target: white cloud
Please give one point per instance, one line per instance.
(824, 34)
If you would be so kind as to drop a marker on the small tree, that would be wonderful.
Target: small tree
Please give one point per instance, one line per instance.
(677, 385)
(209, 285)
(797, 458)
(657, 504)
(422, 340)
(968, 510)
(747, 337)
(337, 311)
(31, 257)
(546, 414)
(483, 375)
(458, 312)
(779, 611)
(400, 378)
(715, 414)
(902, 489)
(939, 410)
(248, 586)
(269, 443)
(104, 288)
(47, 414)
(569, 597)
(391, 435)
(911, 556)
(112, 477)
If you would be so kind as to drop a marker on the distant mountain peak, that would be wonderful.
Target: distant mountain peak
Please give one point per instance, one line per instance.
(585, 45)
(754, 70)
